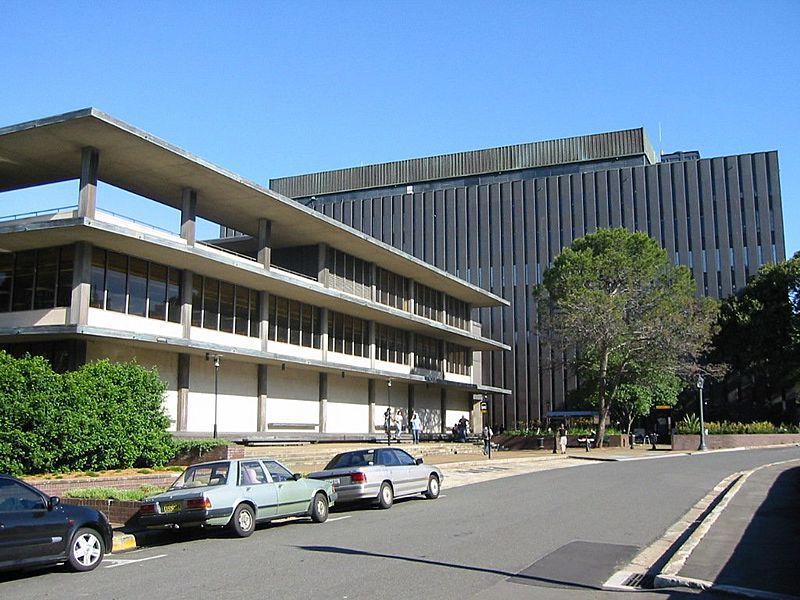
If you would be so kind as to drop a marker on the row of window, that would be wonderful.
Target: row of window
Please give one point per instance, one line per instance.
(134, 286)
(349, 274)
(36, 279)
(223, 306)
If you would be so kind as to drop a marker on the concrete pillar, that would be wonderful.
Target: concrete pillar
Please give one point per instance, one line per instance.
(263, 301)
(411, 404)
(184, 369)
(322, 265)
(372, 347)
(189, 215)
(411, 352)
(186, 303)
(323, 326)
(371, 405)
(411, 293)
(374, 278)
(81, 284)
(261, 418)
(443, 409)
(323, 402)
(265, 242)
(87, 196)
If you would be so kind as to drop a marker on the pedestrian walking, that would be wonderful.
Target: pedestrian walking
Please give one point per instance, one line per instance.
(487, 438)
(416, 427)
(398, 416)
(562, 439)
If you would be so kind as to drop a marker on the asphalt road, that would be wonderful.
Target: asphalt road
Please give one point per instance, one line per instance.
(549, 534)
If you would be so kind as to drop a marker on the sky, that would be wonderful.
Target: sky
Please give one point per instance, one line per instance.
(268, 89)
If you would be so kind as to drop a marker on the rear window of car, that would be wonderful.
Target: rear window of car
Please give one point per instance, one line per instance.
(203, 475)
(352, 459)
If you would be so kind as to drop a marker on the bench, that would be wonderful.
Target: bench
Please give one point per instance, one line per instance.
(586, 442)
(292, 425)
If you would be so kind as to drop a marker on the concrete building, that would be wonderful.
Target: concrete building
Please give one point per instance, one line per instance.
(301, 325)
(498, 218)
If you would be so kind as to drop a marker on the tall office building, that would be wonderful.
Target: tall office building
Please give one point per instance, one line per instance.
(499, 217)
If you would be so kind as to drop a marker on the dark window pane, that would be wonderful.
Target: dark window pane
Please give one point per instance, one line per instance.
(197, 300)
(242, 299)
(157, 292)
(97, 288)
(211, 303)
(137, 287)
(65, 268)
(294, 323)
(46, 275)
(23, 280)
(255, 313)
(282, 320)
(174, 296)
(6, 280)
(116, 276)
(226, 307)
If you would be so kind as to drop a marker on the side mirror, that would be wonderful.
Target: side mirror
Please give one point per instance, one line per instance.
(419, 461)
(297, 476)
(53, 502)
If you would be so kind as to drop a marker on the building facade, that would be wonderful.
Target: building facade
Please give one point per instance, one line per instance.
(298, 325)
(499, 217)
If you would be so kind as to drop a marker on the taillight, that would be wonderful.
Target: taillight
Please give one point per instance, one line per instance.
(147, 509)
(198, 503)
(358, 478)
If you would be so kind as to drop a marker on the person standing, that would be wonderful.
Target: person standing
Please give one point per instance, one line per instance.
(399, 422)
(562, 439)
(487, 438)
(416, 427)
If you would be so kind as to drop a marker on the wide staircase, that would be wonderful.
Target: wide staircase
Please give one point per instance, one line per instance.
(305, 457)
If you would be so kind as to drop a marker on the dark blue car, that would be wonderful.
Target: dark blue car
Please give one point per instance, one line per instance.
(37, 529)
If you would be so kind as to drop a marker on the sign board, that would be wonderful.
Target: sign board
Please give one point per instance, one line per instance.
(484, 406)
(477, 396)
(663, 407)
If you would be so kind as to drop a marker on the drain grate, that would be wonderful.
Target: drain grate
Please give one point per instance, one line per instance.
(641, 581)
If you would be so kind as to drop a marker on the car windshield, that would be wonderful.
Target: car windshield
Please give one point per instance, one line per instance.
(202, 475)
(360, 458)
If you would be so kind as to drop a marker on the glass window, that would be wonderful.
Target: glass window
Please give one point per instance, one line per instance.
(197, 300)
(6, 281)
(226, 307)
(252, 473)
(15, 497)
(277, 471)
(24, 271)
(116, 280)
(294, 322)
(174, 296)
(137, 287)
(46, 278)
(242, 310)
(211, 303)
(255, 313)
(157, 292)
(282, 320)
(65, 268)
(97, 296)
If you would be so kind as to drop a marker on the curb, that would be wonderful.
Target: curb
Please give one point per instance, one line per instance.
(123, 542)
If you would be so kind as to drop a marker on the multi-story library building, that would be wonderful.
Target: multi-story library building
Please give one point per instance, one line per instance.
(499, 217)
(299, 324)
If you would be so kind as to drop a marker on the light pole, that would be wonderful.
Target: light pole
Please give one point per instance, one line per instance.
(700, 382)
(216, 358)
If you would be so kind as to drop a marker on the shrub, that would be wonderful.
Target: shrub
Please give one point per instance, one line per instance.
(691, 425)
(101, 493)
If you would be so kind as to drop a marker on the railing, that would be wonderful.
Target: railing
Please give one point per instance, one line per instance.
(136, 221)
(226, 251)
(38, 213)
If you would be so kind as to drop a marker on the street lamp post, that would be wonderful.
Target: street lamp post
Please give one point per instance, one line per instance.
(216, 359)
(700, 382)
(387, 424)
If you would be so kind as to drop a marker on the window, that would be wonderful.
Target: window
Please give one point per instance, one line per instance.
(251, 473)
(134, 286)
(349, 274)
(391, 289)
(277, 471)
(427, 302)
(16, 497)
(223, 306)
(458, 313)
(293, 322)
(426, 353)
(347, 334)
(459, 359)
(392, 344)
(36, 279)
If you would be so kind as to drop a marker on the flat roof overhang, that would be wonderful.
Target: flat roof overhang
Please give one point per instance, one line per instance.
(49, 150)
(61, 229)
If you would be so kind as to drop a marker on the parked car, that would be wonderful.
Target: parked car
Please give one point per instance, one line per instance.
(37, 529)
(380, 475)
(237, 494)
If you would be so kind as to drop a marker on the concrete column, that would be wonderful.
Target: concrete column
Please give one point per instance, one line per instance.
(443, 354)
(189, 215)
(443, 409)
(411, 404)
(322, 265)
(411, 292)
(323, 402)
(372, 347)
(411, 341)
(261, 417)
(263, 332)
(184, 369)
(374, 277)
(87, 197)
(371, 405)
(81, 284)
(323, 326)
(186, 303)
(265, 242)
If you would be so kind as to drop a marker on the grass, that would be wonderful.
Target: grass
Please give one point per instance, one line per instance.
(102, 493)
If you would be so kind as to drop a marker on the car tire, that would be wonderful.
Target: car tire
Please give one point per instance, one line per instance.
(433, 488)
(86, 550)
(243, 522)
(386, 495)
(319, 508)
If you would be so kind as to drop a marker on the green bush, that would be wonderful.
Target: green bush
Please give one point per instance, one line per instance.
(101, 493)
(102, 416)
(691, 425)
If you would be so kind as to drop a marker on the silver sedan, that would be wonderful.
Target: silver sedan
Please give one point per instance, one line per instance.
(380, 475)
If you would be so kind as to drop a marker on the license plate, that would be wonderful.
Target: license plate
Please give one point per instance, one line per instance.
(335, 481)
(170, 507)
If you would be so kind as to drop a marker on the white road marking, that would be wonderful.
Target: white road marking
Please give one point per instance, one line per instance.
(330, 520)
(122, 562)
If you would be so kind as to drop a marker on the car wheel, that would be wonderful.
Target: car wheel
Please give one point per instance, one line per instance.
(243, 522)
(319, 508)
(86, 550)
(386, 495)
(433, 487)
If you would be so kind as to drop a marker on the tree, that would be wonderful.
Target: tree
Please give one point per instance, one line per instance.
(615, 296)
(759, 336)
(638, 399)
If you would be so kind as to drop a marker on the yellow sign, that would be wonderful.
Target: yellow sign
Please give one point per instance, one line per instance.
(663, 407)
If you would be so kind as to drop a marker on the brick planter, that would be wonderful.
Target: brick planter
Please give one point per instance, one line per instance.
(681, 441)
(118, 511)
(529, 442)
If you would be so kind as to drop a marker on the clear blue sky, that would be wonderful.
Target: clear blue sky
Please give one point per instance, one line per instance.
(270, 89)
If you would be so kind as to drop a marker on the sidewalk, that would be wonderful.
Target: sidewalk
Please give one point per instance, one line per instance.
(751, 545)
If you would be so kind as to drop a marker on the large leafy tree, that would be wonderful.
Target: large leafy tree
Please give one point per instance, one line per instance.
(616, 297)
(759, 336)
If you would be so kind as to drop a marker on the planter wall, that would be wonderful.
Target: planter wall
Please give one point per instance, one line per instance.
(117, 511)
(57, 487)
(528, 442)
(681, 441)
